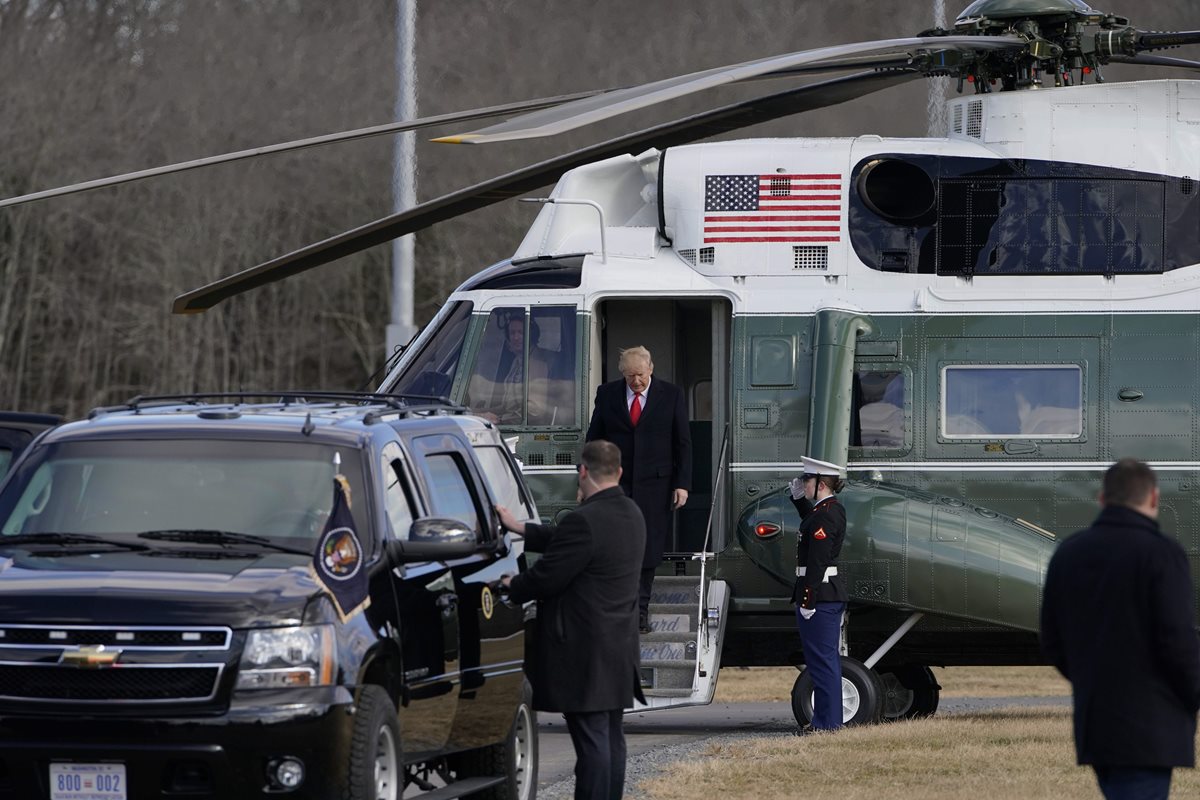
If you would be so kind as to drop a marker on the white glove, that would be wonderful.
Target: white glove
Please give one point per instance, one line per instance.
(807, 613)
(797, 488)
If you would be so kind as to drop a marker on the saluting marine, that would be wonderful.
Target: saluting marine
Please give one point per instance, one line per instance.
(819, 594)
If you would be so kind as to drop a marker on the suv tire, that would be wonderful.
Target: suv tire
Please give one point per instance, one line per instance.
(516, 758)
(375, 765)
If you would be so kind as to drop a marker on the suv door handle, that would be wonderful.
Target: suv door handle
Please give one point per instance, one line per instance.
(447, 602)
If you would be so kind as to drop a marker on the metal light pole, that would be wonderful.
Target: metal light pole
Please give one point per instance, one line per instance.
(404, 176)
(936, 107)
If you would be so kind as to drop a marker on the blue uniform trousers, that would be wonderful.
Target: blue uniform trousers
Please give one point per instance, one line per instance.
(820, 637)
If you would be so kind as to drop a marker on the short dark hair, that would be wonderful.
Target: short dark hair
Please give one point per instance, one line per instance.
(603, 459)
(832, 482)
(1128, 482)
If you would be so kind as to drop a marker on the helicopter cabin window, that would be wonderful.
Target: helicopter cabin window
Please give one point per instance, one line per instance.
(879, 419)
(773, 361)
(432, 372)
(1043, 401)
(525, 369)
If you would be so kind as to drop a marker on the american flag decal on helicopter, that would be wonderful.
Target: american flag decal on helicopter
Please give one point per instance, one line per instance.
(772, 208)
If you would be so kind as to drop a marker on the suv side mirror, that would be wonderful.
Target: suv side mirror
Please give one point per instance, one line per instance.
(433, 539)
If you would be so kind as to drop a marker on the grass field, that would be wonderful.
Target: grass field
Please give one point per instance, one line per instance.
(1024, 753)
(1014, 752)
(770, 684)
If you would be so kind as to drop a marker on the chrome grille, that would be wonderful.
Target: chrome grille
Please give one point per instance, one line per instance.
(127, 638)
(153, 664)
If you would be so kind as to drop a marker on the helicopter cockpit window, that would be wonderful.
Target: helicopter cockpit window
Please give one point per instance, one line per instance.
(525, 369)
(431, 373)
(1012, 402)
(879, 416)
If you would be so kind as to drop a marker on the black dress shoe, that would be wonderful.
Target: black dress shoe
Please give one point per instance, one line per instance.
(804, 731)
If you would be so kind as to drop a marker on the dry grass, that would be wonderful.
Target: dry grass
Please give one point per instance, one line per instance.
(774, 684)
(1013, 753)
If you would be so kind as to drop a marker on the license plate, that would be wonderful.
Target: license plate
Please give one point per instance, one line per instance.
(87, 781)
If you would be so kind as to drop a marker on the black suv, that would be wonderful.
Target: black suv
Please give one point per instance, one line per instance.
(165, 630)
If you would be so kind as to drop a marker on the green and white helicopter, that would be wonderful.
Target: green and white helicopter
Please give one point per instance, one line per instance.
(977, 325)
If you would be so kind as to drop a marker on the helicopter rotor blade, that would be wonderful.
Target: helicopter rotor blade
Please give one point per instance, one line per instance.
(690, 129)
(1161, 40)
(569, 116)
(1155, 61)
(300, 144)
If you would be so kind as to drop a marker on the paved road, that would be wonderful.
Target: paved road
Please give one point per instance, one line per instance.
(651, 737)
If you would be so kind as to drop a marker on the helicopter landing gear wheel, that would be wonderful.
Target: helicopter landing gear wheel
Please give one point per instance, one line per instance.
(909, 692)
(862, 695)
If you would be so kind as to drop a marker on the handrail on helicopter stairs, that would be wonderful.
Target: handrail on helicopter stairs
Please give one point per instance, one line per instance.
(707, 618)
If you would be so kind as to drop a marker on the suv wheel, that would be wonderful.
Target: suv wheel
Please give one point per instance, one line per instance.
(375, 772)
(515, 758)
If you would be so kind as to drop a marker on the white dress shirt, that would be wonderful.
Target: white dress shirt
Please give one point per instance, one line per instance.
(629, 393)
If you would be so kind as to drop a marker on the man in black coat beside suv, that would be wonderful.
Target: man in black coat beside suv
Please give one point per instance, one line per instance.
(1117, 622)
(585, 661)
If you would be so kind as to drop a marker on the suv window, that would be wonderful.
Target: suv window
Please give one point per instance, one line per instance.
(397, 492)
(502, 483)
(449, 491)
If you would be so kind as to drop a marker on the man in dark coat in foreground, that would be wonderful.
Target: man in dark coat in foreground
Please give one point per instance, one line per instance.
(585, 661)
(647, 419)
(1117, 622)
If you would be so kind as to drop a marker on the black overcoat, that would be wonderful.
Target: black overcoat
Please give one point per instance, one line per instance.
(656, 454)
(1117, 621)
(586, 651)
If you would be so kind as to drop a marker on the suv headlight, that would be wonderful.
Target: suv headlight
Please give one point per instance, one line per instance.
(285, 658)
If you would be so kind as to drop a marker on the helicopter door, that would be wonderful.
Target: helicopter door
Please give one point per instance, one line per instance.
(689, 344)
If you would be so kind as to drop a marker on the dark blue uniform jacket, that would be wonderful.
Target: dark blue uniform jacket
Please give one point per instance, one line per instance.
(822, 531)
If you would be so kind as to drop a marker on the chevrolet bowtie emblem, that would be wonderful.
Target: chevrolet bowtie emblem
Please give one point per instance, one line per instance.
(93, 656)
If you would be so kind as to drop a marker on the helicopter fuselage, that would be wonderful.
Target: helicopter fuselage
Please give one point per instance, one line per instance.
(976, 325)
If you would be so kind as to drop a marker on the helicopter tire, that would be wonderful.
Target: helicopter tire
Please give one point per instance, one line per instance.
(909, 692)
(862, 695)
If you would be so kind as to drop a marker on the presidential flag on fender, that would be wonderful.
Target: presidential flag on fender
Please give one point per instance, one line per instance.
(338, 561)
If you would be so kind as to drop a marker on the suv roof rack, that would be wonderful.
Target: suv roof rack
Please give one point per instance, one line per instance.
(401, 403)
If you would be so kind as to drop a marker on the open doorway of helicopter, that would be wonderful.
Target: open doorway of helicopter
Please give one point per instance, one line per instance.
(689, 342)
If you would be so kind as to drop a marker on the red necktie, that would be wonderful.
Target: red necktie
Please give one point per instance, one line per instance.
(635, 410)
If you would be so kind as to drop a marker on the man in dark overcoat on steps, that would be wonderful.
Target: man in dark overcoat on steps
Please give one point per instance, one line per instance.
(1118, 622)
(585, 660)
(647, 419)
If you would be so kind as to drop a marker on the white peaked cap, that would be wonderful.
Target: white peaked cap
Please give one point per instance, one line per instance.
(814, 467)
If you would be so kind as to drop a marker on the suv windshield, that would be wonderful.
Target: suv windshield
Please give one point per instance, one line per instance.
(279, 490)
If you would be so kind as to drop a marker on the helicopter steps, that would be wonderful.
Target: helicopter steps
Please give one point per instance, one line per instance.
(681, 655)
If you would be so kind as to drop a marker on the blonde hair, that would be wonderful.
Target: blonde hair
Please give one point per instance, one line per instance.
(631, 353)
